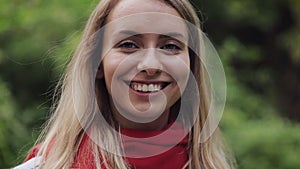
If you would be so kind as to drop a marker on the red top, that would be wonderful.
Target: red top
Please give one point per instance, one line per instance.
(168, 149)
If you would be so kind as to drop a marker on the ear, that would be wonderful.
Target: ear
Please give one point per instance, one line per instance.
(100, 73)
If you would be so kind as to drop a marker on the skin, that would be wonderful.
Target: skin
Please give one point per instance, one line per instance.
(139, 54)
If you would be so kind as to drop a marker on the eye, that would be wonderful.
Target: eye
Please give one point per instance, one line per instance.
(171, 47)
(128, 45)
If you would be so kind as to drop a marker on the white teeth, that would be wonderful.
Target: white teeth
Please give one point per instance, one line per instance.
(139, 87)
(146, 87)
(157, 87)
(151, 87)
(135, 87)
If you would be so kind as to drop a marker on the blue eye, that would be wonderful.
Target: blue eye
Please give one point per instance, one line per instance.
(171, 47)
(128, 45)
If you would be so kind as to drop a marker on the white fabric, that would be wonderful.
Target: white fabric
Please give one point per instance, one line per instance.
(30, 164)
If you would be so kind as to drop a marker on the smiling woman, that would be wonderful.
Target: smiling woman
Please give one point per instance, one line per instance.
(145, 60)
(134, 94)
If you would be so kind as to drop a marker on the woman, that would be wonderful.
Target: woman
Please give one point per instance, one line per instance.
(144, 105)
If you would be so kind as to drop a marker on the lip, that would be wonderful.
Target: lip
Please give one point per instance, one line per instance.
(146, 81)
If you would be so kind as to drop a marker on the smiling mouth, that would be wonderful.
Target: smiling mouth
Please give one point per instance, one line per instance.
(148, 87)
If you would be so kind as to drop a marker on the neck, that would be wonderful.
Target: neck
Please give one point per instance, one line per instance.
(157, 124)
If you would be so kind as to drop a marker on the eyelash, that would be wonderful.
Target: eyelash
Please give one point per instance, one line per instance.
(171, 47)
(130, 46)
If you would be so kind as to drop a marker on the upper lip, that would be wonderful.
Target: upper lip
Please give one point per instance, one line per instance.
(149, 81)
(146, 81)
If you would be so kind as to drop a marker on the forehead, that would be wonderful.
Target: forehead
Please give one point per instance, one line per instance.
(129, 7)
(147, 16)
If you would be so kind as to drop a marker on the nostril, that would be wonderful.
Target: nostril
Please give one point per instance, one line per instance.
(152, 71)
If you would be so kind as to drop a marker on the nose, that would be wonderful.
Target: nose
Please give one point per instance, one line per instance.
(150, 63)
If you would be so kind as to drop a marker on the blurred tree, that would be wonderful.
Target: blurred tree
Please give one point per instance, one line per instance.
(36, 40)
(266, 34)
(257, 43)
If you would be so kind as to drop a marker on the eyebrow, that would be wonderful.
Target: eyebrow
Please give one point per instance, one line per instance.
(167, 35)
(130, 33)
(173, 34)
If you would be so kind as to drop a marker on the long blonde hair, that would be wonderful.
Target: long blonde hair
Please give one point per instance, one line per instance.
(65, 129)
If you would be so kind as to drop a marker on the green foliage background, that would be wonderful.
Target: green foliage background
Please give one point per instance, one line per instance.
(257, 42)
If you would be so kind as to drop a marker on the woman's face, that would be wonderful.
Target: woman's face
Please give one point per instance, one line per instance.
(145, 63)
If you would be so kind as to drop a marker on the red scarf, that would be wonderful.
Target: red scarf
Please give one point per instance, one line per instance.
(174, 156)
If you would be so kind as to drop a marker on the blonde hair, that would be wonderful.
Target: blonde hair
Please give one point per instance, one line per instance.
(64, 131)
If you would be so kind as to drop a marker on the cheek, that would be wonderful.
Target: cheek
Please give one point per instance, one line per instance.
(181, 71)
(109, 67)
(179, 67)
(115, 66)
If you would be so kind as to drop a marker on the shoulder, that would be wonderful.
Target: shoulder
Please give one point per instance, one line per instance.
(32, 161)
(30, 164)
(33, 153)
